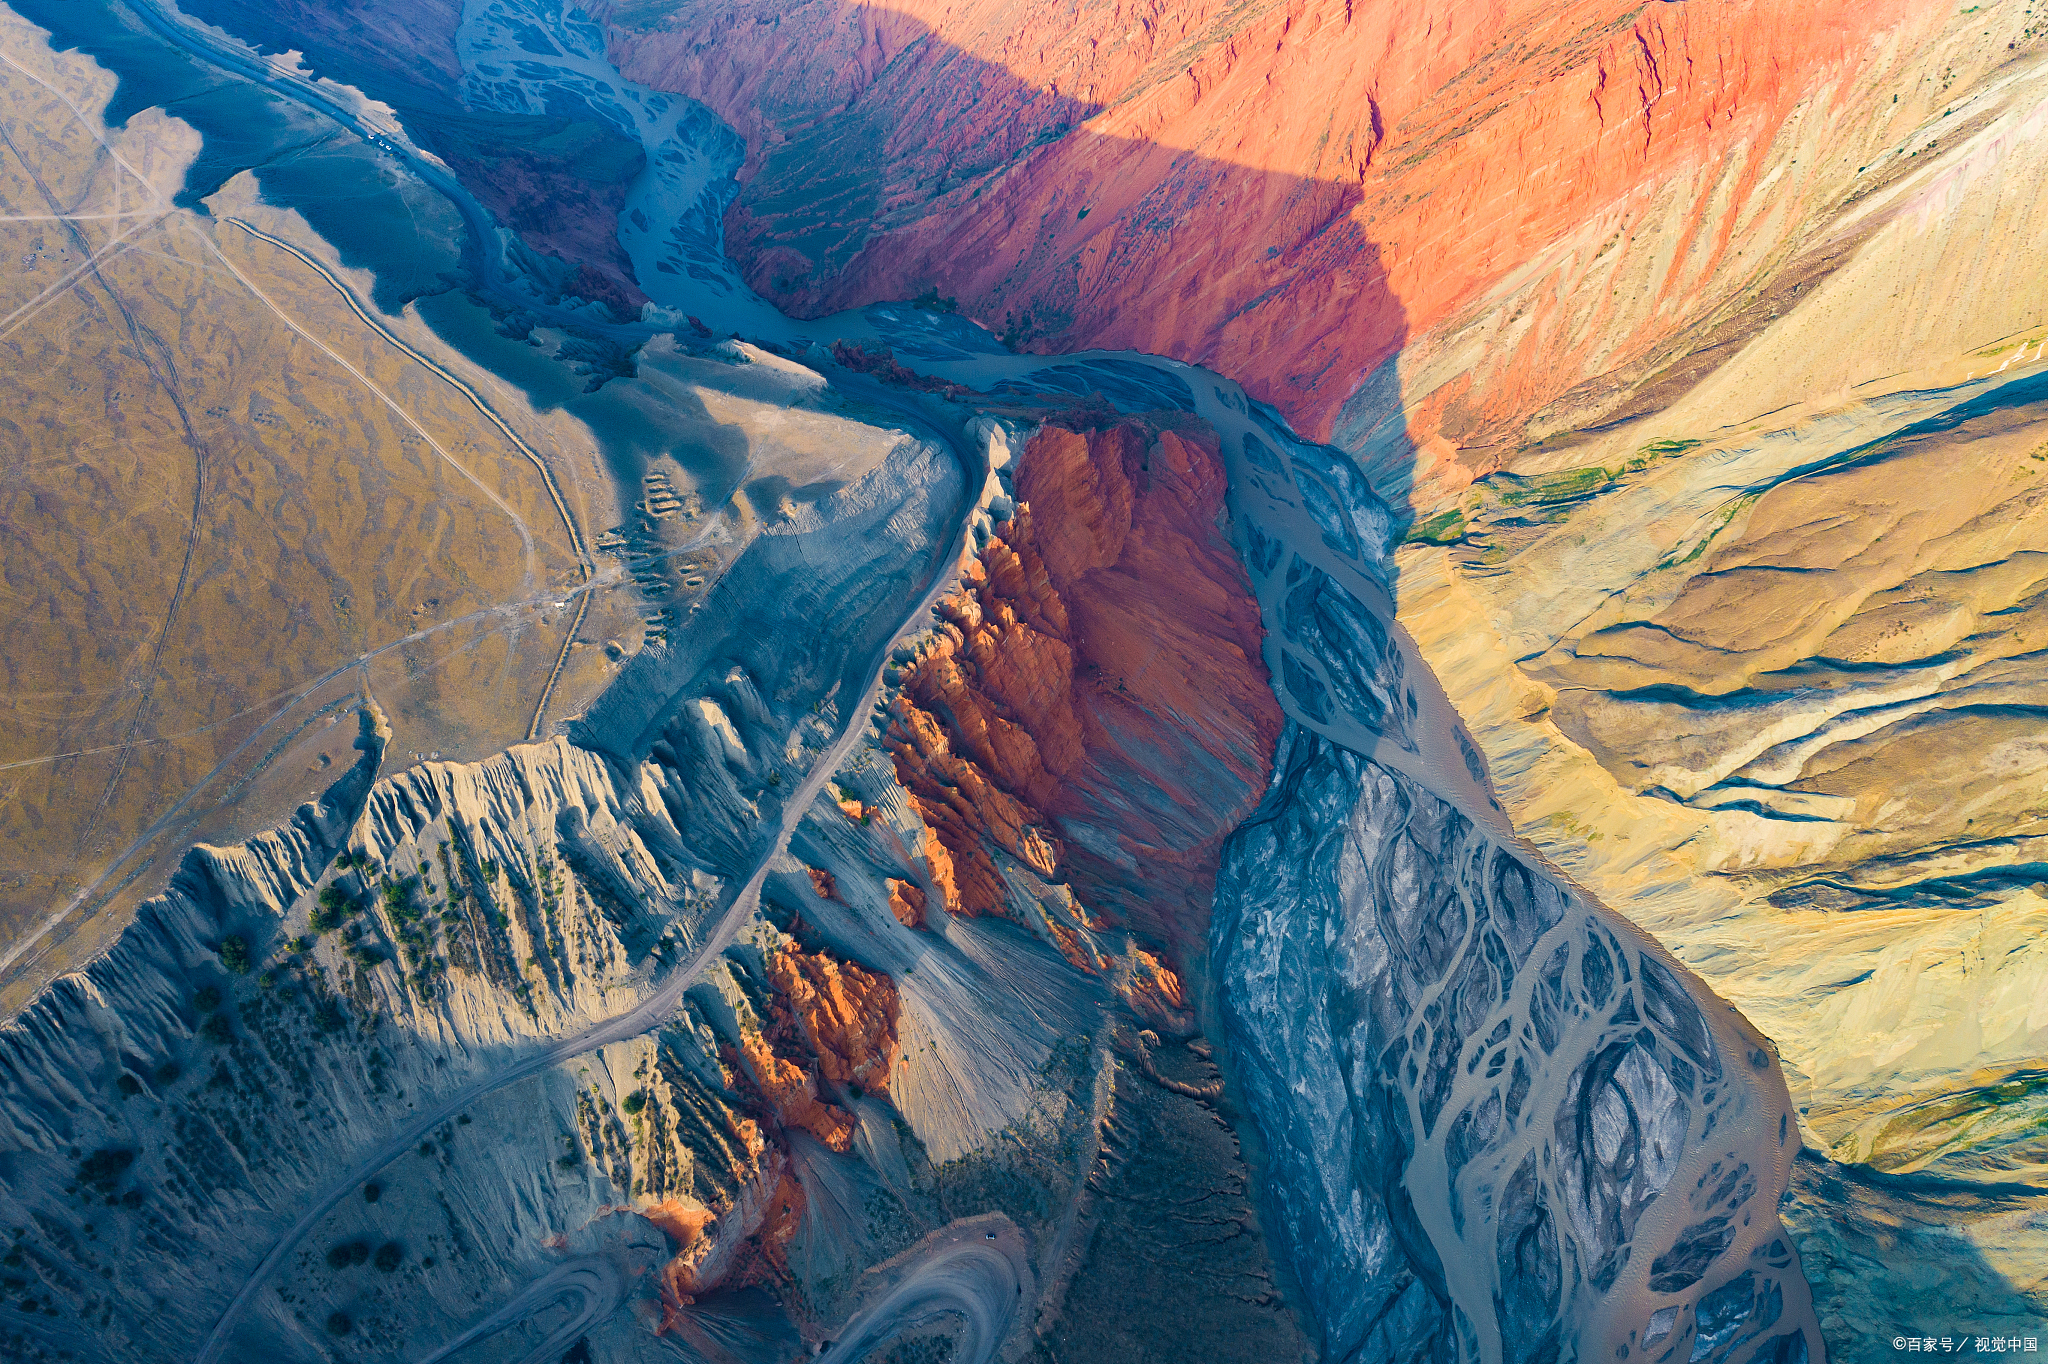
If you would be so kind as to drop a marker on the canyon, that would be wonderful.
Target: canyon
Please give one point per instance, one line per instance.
(1297, 680)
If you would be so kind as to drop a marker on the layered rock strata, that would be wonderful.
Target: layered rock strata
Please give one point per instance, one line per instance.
(1288, 192)
(1700, 383)
(244, 1055)
(1094, 711)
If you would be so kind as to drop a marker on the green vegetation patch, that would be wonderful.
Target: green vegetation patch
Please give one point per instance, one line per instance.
(1445, 528)
(1545, 490)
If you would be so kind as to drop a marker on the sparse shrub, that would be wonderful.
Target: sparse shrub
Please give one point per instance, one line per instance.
(218, 1029)
(207, 999)
(426, 1148)
(234, 954)
(102, 1170)
(167, 1073)
(128, 1085)
(348, 1253)
(390, 1256)
(634, 1102)
(462, 1120)
(338, 1324)
(372, 1192)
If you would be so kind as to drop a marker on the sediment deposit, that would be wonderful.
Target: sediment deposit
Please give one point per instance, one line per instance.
(1026, 778)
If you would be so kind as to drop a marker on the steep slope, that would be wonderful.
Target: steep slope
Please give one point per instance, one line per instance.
(498, 946)
(1761, 669)
(1688, 337)
(862, 1068)
(1098, 708)
(1288, 192)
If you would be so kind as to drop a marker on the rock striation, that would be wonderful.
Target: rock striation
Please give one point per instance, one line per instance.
(1682, 343)
(441, 953)
(1288, 192)
(1095, 705)
(1679, 613)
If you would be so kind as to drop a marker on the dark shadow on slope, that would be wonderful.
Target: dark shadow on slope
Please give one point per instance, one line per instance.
(1893, 1255)
(827, 193)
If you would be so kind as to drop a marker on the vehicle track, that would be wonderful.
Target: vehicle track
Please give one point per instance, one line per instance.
(594, 1281)
(656, 1008)
(967, 1276)
(575, 534)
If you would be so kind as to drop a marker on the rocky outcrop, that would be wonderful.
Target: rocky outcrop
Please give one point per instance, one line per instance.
(1094, 706)
(248, 1048)
(1697, 373)
(847, 1016)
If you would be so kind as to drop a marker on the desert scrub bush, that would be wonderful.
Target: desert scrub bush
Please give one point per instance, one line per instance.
(218, 1029)
(634, 1102)
(102, 1170)
(206, 998)
(234, 954)
(390, 1256)
(348, 1253)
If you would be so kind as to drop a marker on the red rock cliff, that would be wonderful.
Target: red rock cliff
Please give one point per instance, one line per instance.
(1285, 190)
(1096, 705)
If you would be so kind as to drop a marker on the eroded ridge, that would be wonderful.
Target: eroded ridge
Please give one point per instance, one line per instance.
(1501, 1126)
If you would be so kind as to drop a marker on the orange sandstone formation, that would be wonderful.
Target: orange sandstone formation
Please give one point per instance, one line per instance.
(789, 1091)
(906, 902)
(827, 1019)
(1097, 672)
(846, 1015)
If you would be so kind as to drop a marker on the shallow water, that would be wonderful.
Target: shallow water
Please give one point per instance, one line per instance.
(1305, 519)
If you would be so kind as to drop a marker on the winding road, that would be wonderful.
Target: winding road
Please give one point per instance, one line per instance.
(972, 1268)
(593, 1281)
(547, 475)
(659, 1006)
